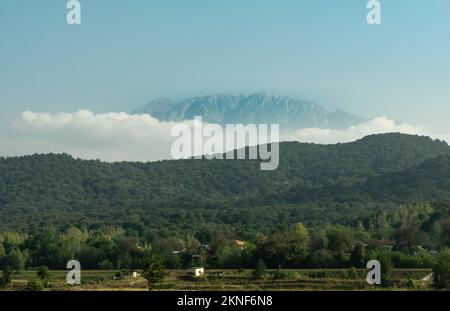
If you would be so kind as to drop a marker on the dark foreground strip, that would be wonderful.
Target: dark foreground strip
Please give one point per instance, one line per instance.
(129, 301)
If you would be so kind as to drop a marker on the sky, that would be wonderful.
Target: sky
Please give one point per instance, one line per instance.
(127, 53)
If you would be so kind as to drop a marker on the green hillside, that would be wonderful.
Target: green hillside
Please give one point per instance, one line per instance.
(324, 179)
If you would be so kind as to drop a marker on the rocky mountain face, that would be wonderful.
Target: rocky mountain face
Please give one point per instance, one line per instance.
(254, 108)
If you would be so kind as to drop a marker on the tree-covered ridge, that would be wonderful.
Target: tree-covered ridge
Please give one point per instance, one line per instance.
(428, 181)
(311, 180)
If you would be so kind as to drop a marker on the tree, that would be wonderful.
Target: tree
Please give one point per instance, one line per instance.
(153, 270)
(14, 260)
(202, 257)
(386, 269)
(408, 237)
(43, 248)
(357, 257)
(260, 270)
(301, 234)
(44, 275)
(445, 232)
(441, 271)
(72, 242)
(228, 256)
(6, 277)
(340, 240)
(287, 247)
(318, 241)
(2, 250)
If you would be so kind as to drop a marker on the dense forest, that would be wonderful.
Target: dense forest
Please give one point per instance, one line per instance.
(325, 206)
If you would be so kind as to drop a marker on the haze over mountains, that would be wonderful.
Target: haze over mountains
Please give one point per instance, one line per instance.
(259, 108)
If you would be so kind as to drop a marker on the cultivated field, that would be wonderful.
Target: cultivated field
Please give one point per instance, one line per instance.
(288, 280)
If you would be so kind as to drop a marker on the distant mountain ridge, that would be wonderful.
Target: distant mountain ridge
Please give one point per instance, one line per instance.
(254, 108)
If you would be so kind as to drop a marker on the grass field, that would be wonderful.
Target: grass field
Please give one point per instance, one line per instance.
(290, 280)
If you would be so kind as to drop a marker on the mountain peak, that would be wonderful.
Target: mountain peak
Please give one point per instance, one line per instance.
(259, 108)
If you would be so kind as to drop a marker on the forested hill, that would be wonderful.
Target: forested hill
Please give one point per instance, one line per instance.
(426, 182)
(60, 190)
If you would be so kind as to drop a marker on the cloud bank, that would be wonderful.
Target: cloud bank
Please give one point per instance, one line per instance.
(379, 125)
(124, 137)
(108, 137)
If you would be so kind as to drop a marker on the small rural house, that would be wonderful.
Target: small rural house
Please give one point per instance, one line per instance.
(240, 244)
(197, 271)
(135, 274)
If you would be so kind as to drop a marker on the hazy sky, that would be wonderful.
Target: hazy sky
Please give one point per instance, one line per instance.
(126, 53)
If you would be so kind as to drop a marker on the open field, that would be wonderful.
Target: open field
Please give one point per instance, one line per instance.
(292, 280)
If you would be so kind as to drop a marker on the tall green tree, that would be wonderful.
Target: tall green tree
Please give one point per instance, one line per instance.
(15, 259)
(386, 269)
(153, 270)
(44, 248)
(358, 257)
(441, 270)
(260, 270)
(445, 232)
(318, 241)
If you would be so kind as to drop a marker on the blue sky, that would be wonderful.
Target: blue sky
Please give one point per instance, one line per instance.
(126, 53)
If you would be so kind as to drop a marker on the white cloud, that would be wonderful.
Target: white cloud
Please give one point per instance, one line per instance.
(125, 137)
(108, 136)
(378, 125)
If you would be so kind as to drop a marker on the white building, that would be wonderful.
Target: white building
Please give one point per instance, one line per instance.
(135, 274)
(197, 271)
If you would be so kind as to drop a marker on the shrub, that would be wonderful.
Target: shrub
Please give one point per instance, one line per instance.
(43, 274)
(118, 275)
(352, 273)
(6, 277)
(283, 274)
(411, 283)
(319, 274)
(35, 285)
